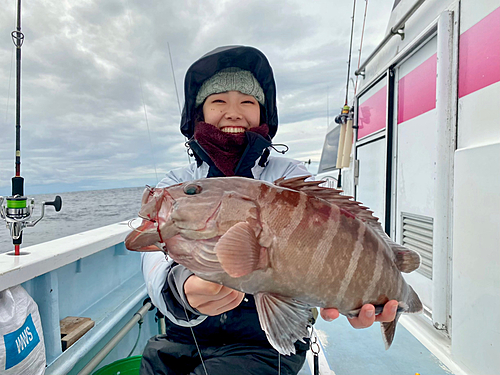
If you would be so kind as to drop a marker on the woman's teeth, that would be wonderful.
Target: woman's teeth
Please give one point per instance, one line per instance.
(233, 130)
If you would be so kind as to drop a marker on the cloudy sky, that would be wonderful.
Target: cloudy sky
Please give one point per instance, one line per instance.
(99, 104)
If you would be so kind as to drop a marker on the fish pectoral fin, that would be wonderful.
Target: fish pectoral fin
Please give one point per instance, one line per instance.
(239, 251)
(406, 260)
(284, 320)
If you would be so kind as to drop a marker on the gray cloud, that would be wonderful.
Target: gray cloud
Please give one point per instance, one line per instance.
(90, 69)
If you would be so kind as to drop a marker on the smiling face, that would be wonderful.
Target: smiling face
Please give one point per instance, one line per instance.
(232, 112)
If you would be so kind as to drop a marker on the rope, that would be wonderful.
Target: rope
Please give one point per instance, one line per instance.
(361, 45)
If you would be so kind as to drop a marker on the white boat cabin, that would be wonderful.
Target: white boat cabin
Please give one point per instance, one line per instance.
(426, 159)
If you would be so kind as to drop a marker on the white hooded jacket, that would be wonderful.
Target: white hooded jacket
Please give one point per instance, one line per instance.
(156, 267)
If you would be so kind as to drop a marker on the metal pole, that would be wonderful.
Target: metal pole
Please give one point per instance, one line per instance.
(394, 31)
(139, 315)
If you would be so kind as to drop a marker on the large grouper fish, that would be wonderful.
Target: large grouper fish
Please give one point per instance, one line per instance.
(292, 244)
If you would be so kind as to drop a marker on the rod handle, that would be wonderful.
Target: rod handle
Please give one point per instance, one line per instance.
(17, 186)
(57, 203)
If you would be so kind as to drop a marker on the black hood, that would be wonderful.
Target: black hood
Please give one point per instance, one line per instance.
(246, 58)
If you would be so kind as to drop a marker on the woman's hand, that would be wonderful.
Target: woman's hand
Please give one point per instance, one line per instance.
(211, 298)
(366, 316)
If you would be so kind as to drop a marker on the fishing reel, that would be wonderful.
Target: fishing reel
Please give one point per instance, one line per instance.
(346, 114)
(17, 210)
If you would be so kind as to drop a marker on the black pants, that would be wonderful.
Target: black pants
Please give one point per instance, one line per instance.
(164, 357)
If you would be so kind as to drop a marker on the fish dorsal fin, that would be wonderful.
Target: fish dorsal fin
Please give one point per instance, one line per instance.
(284, 320)
(330, 195)
(405, 259)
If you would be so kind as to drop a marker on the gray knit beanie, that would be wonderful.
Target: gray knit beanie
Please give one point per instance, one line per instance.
(231, 79)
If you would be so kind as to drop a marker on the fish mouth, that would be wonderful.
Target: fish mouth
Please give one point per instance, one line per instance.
(143, 238)
(156, 226)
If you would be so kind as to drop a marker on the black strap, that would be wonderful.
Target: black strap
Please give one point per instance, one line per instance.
(315, 348)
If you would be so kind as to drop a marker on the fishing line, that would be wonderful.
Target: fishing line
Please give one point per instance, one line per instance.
(361, 45)
(147, 125)
(130, 224)
(138, 336)
(350, 52)
(10, 76)
(173, 76)
(8, 92)
(195, 341)
(142, 97)
(345, 110)
(189, 154)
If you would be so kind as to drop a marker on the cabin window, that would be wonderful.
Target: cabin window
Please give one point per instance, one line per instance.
(328, 160)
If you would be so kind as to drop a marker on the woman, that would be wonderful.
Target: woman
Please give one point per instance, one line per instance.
(229, 117)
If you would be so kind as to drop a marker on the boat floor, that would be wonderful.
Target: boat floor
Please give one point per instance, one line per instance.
(348, 351)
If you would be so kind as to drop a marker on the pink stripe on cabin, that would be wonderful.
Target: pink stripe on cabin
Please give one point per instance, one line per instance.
(372, 113)
(417, 90)
(479, 60)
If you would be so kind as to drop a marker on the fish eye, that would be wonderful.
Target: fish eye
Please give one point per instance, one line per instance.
(192, 189)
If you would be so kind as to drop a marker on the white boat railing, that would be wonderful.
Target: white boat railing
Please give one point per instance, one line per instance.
(89, 274)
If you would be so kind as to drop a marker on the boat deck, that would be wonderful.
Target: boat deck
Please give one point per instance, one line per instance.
(347, 351)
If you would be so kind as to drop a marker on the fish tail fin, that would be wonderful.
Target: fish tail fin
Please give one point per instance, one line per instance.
(412, 305)
(388, 330)
(413, 302)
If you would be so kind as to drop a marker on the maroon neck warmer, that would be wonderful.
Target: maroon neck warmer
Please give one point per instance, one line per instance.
(224, 149)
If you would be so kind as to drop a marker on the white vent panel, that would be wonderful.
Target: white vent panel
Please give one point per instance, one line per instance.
(417, 235)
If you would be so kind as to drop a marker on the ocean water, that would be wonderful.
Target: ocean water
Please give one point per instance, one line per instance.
(81, 211)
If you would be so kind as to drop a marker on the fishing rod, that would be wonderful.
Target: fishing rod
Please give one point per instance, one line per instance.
(361, 45)
(344, 119)
(17, 209)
